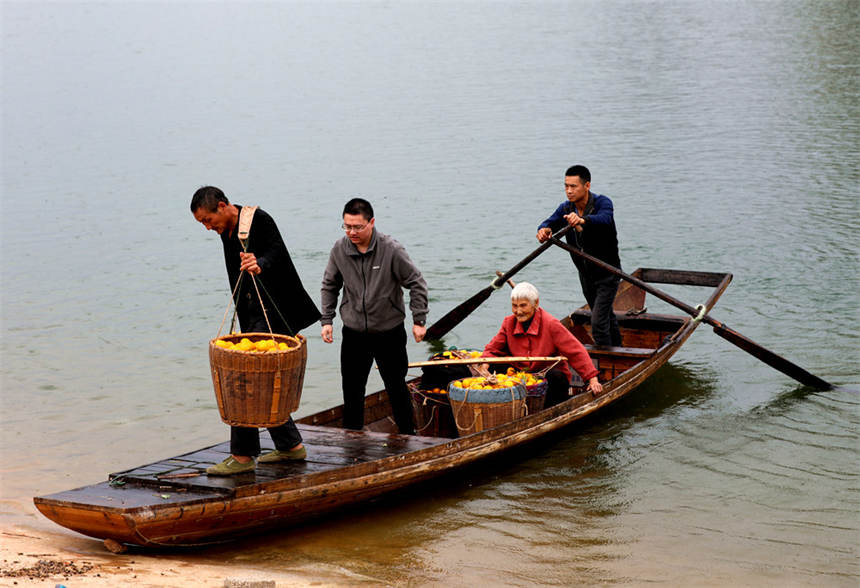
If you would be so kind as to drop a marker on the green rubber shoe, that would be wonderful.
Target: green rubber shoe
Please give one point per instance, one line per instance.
(277, 455)
(231, 467)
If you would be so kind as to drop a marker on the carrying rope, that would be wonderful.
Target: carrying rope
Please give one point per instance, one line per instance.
(513, 404)
(426, 400)
(460, 405)
(275, 306)
(246, 217)
(229, 304)
(702, 312)
(542, 373)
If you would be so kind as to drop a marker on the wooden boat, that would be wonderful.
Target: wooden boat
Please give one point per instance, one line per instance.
(172, 502)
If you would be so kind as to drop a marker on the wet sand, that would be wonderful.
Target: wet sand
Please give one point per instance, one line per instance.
(36, 558)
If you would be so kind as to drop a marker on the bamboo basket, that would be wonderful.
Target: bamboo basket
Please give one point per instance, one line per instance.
(256, 389)
(478, 410)
(432, 414)
(536, 396)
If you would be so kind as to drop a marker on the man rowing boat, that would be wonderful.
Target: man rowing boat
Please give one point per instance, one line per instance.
(592, 216)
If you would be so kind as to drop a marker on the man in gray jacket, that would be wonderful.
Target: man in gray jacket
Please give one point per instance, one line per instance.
(372, 269)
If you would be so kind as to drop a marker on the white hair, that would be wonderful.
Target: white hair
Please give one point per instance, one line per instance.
(525, 291)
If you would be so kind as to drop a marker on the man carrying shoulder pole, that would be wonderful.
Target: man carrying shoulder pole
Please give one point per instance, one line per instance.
(289, 307)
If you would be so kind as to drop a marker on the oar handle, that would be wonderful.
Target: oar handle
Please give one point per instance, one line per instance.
(453, 318)
(510, 282)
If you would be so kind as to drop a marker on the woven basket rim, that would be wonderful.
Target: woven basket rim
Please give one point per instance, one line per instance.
(480, 393)
(299, 341)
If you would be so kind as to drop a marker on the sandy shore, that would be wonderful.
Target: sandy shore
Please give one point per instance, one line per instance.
(36, 558)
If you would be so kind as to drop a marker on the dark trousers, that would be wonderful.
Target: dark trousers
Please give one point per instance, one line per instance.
(246, 440)
(357, 352)
(600, 294)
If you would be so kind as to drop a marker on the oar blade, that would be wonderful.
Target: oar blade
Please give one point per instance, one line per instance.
(769, 357)
(775, 361)
(441, 327)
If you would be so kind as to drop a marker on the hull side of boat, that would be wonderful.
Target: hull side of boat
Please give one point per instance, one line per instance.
(198, 518)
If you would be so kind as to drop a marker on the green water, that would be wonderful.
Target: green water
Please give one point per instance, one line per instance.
(725, 133)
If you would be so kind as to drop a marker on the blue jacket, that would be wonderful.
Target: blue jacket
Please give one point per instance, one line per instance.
(598, 237)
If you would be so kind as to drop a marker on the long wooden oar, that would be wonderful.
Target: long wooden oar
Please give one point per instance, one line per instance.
(441, 327)
(470, 360)
(769, 357)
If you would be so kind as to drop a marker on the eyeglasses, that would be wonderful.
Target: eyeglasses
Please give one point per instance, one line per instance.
(354, 228)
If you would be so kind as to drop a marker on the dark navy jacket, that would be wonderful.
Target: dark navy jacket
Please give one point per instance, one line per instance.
(598, 237)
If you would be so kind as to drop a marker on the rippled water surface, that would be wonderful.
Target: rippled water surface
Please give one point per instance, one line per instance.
(726, 134)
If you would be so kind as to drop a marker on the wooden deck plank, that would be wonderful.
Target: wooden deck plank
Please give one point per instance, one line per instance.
(648, 321)
(318, 435)
(681, 277)
(127, 496)
(329, 448)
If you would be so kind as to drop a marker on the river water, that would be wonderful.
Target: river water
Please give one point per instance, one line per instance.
(725, 132)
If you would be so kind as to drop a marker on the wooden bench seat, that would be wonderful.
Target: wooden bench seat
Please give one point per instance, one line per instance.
(611, 361)
(605, 351)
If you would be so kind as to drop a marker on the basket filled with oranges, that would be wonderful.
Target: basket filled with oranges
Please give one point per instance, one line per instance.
(481, 403)
(258, 377)
(536, 388)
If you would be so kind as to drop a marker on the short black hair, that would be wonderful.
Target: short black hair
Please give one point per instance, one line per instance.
(359, 206)
(579, 170)
(207, 198)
